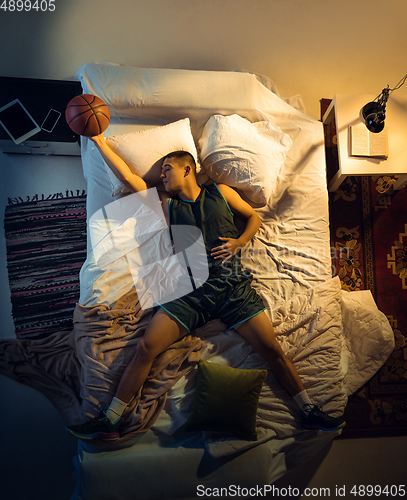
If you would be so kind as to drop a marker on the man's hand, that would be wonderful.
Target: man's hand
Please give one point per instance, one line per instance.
(228, 249)
(97, 139)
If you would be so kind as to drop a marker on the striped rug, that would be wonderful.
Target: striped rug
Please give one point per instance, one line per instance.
(46, 247)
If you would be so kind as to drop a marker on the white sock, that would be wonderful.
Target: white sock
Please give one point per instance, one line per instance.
(115, 410)
(303, 399)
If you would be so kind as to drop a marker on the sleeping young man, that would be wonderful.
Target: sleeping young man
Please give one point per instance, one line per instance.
(225, 295)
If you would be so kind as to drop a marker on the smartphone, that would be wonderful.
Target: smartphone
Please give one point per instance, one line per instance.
(50, 120)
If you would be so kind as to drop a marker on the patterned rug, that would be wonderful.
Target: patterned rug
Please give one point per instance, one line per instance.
(369, 241)
(369, 234)
(46, 247)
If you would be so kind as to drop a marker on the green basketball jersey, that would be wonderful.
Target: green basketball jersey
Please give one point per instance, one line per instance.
(211, 214)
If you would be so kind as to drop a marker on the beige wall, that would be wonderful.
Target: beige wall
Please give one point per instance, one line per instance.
(312, 47)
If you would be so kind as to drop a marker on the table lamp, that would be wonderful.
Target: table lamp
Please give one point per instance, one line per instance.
(374, 113)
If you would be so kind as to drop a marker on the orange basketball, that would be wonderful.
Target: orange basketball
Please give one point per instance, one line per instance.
(87, 115)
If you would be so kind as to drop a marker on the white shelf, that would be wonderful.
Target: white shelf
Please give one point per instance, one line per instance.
(41, 148)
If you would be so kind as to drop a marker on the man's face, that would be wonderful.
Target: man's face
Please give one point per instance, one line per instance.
(172, 175)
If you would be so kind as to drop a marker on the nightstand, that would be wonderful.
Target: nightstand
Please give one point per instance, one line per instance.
(346, 111)
(38, 97)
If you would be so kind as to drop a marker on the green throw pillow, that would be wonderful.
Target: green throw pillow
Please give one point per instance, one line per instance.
(226, 400)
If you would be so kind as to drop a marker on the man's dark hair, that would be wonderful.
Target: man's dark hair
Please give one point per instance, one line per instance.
(184, 157)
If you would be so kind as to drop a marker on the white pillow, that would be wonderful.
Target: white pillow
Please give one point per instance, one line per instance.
(143, 151)
(244, 155)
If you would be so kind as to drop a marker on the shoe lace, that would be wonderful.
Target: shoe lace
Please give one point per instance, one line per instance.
(308, 408)
(101, 409)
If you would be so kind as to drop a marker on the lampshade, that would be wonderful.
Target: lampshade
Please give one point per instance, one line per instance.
(374, 113)
(374, 116)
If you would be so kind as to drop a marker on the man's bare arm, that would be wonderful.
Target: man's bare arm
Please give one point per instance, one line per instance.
(118, 166)
(243, 210)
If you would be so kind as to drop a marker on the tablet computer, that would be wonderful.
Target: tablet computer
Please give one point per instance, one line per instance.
(17, 121)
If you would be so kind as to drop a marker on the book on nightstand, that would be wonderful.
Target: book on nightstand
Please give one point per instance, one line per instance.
(366, 143)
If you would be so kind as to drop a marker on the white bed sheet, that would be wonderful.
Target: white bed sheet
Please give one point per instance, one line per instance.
(318, 326)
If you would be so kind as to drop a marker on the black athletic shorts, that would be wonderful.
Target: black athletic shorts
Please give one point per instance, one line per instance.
(230, 299)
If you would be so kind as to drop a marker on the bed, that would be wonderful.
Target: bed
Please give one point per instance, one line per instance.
(245, 135)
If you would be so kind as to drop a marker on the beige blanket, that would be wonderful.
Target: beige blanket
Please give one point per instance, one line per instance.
(79, 370)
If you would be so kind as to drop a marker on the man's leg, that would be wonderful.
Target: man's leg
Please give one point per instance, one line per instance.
(162, 331)
(259, 332)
